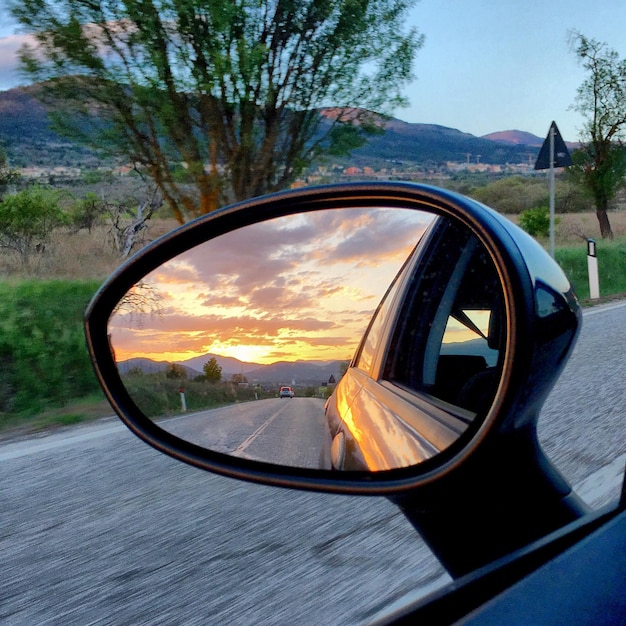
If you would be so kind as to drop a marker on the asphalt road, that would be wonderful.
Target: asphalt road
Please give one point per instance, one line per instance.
(291, 432)
(97, 528)
(583, 423)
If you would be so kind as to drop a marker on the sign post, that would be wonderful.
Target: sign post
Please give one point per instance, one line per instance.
(553, 153)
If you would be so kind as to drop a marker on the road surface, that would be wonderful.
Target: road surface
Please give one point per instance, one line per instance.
(291, 432)
(98, 528)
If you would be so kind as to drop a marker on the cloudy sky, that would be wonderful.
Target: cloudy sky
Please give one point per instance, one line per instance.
(301, 287)
(486, 66)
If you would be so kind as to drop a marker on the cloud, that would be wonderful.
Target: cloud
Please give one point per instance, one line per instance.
(290, 285)
(274, 253)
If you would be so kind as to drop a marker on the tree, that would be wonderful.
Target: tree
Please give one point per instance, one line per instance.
(221, 100)
(176, 372)
(87, 212)
(212, 371)
(27, 219)
(600, 163)
(129, 223)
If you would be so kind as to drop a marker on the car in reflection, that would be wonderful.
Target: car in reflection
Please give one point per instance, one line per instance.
(412, 391)
(286, 392)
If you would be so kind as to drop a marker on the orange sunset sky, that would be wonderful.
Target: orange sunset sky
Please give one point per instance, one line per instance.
(299, 287)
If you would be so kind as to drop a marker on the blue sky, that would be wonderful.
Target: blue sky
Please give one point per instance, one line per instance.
(486, 66)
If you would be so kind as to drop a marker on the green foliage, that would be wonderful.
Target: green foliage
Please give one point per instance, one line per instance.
(536, 221)
(212, 371)
(43, 357)
(27, 219)
(601, 170)
(7, 175)
(87, 212)
(345, 138)
(234, 90)
(513, 194)
(176, 372)
(611, 267)
(94, 177)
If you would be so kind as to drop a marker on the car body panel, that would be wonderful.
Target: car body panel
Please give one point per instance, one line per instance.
(418, 416)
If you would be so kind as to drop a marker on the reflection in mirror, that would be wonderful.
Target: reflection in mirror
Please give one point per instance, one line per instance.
(441, 359)
(205, 342)
(236, 344)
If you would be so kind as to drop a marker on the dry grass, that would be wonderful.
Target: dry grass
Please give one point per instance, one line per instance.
(574, 228)
(75, 256)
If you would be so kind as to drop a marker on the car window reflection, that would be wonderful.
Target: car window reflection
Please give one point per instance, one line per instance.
(449, 339)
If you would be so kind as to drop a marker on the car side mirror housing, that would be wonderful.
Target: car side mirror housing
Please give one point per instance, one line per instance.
(470, 323)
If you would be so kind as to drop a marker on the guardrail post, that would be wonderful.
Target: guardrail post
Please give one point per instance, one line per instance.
(592, 268)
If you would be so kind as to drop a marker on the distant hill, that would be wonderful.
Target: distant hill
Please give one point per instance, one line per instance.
(28, 138)
(516, 138)
(313, 373)
(405, 142)
(229, 365)
(521, 138)
(301, 373)
(148, 366)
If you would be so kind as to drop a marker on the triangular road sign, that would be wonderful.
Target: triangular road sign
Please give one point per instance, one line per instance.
(562, 156)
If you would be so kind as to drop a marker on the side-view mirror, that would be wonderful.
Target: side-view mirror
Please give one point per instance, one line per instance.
(369, 339)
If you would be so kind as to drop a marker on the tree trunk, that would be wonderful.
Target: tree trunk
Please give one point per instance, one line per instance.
(605, 225)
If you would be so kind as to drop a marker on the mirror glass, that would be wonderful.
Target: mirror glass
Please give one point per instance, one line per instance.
(237, 344)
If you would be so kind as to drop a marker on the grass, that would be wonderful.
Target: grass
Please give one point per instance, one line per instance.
(611, 268)
(88, 409)
(79, 255)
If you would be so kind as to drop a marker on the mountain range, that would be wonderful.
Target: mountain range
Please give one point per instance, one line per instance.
(301, 373)
(28, 140)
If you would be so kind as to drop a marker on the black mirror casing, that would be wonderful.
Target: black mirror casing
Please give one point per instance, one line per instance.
(496, 472)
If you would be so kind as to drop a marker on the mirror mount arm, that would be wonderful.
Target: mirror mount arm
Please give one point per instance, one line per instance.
(487, 514)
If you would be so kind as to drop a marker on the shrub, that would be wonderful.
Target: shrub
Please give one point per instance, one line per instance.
(536, 222)
(43, 357)
(27, 219)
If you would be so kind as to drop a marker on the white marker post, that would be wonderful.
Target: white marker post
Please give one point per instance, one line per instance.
(592, 268)
(183, 401)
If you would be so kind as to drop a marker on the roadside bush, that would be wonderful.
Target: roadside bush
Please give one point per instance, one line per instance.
(536, 222)
(27, 219)
(158, 395)
(43, 357)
